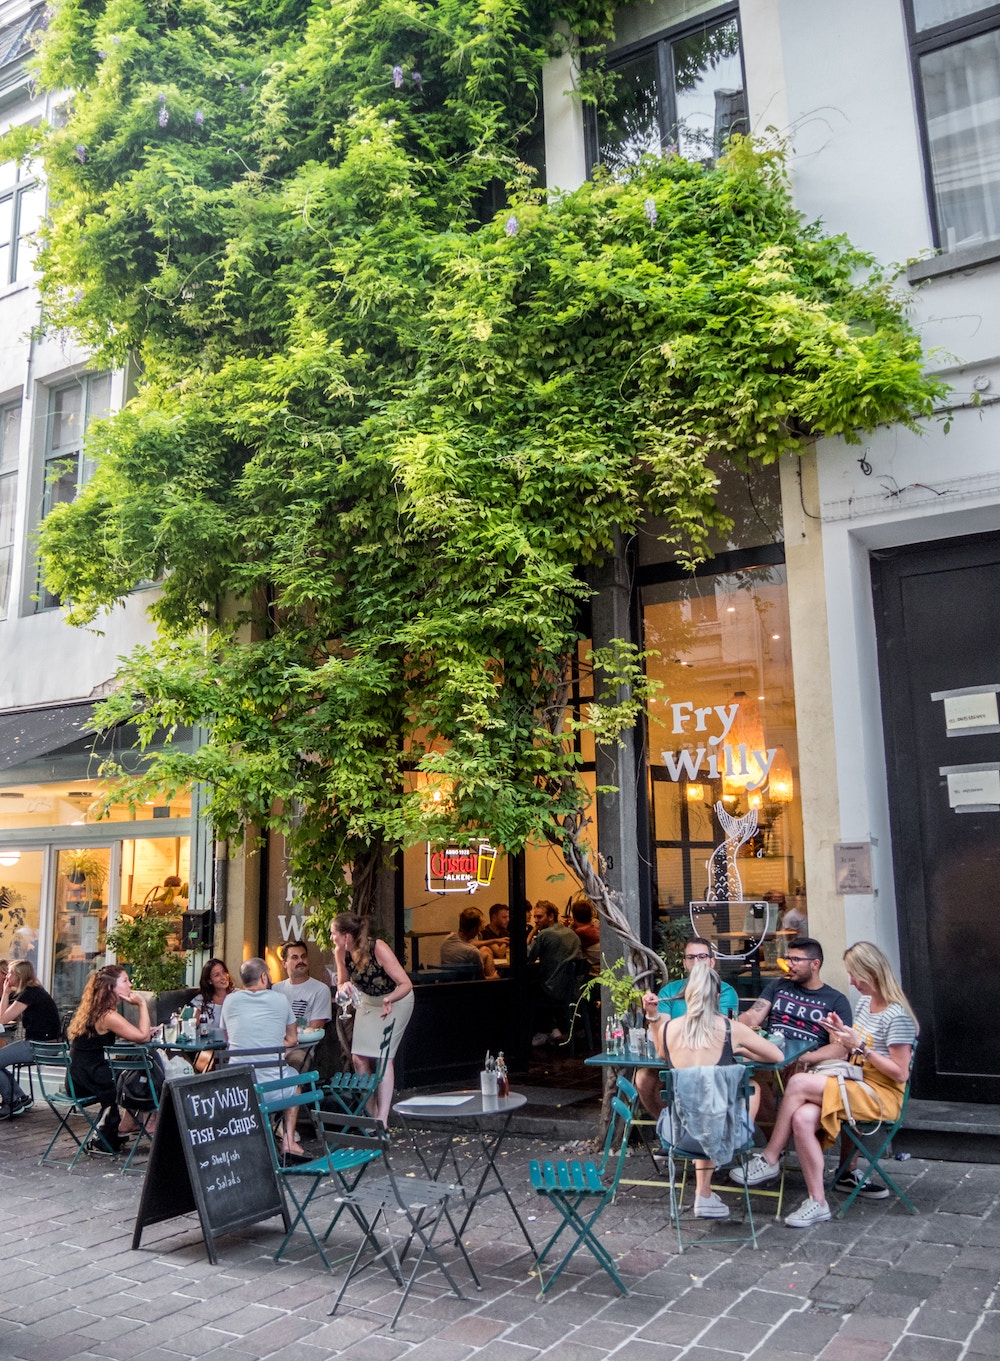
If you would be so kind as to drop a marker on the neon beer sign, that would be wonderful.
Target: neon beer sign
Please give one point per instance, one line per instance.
(460, 869)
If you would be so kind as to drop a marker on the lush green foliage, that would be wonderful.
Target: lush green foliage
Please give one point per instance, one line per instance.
(142, 944)
(393, 436)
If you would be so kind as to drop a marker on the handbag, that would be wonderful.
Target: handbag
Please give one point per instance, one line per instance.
(846, 1072)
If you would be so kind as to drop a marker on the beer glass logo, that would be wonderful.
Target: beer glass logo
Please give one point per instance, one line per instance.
(460, 869)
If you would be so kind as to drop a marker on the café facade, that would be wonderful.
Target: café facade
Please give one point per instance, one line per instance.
(828, 677)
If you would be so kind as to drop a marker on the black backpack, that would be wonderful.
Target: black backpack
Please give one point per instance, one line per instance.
(133, 1087)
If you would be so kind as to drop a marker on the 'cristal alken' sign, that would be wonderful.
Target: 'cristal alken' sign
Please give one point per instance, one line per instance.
(460, 869)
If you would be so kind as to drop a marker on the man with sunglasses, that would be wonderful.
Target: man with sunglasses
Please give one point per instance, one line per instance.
(670, 1002)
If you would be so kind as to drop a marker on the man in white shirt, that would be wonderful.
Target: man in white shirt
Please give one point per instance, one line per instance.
(311, 999)
(259, 1017)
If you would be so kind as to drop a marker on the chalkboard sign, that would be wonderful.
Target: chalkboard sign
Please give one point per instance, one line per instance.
(210, 1154)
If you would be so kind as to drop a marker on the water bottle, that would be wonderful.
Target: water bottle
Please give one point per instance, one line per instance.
(609, 1039)
(503, 1081)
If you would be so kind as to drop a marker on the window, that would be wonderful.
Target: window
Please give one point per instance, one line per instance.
(22, 202)
(10, 435)
(72, 406)
(723, 738)
(956, 52)
(682, 93)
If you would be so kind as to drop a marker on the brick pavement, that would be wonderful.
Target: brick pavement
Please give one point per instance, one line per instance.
(878, 1285)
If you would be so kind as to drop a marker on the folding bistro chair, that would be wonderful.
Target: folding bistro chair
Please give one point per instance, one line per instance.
(139, 1088)
(351, 1092)
(418, 1206)
(686, 1151)
(571, 1185)
(64, 1102)
(302, 1180)
(873, 1142)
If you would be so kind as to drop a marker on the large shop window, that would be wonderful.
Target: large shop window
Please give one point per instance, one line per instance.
(722, 741)
(956, 52)
(682, 93)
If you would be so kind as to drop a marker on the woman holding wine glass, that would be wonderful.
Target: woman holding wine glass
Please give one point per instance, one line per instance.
(384, 993)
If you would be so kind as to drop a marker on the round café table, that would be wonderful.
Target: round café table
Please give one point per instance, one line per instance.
(453, 1113)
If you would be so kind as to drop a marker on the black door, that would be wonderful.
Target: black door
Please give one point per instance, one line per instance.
(937, 610)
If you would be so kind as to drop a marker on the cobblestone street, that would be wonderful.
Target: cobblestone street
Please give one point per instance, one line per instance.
(878, 1284)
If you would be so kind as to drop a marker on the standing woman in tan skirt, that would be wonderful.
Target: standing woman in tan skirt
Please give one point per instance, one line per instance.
(386, 994)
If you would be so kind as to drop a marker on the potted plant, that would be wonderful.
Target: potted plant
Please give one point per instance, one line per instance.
(141, 943)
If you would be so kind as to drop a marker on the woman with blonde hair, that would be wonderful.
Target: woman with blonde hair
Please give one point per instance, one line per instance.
(704, 1038)
(98, 1022)
(23, 999)
(879, 1044)
(384, 993)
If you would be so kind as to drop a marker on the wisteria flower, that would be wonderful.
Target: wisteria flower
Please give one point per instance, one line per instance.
(511, 225)
(81, 153)
(199, 118)
(102, 54)
(243, 88)
(418, 80)
(115, 39)
(650, 210)
(164, 117)
(397, 76)
(162, 97)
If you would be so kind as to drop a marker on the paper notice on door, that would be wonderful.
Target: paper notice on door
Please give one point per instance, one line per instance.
(970, 711)
(973, 790)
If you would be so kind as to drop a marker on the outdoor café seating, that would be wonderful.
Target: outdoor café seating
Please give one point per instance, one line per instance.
(409, 1211)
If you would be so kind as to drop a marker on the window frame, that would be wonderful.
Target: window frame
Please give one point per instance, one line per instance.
(659, 45)
(10, 473)
(16, 193)
(923, 43)
(85, 380)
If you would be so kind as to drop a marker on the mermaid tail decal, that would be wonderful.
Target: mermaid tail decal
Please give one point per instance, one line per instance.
(724, 882)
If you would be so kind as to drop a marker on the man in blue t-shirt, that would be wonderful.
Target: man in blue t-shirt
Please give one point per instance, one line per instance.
(669, 1001)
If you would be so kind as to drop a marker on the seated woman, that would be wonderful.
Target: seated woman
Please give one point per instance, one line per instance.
(98, 1022)
(881, 1043)
(24, 999)
(703, 1038)
(214, 986)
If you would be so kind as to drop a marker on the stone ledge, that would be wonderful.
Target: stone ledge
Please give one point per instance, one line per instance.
(953, 1117)
(952, 262)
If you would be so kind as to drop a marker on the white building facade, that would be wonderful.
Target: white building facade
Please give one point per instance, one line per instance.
(887, 555)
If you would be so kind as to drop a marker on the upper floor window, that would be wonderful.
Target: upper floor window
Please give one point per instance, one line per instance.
(72, 406)
(22, 203)
(681, 93)
(956, 49)
(10, 438)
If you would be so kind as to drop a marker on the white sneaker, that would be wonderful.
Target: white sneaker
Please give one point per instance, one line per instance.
(556, 1036)
(710, 1207)
(541, 1038)
(758, 1170)
(809, 1212)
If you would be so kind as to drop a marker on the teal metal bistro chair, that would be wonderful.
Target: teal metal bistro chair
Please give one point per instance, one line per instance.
(139, 1086)
(581, 1191)
(332, 1171)
(414, 1207)
(685, 1151)
(351, 1092)
(52, 1066)
(872, 1140)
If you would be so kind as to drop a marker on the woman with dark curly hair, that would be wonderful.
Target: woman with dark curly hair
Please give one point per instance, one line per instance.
(98, 1022)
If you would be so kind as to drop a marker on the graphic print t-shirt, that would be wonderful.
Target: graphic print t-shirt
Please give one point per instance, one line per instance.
(799, 1011)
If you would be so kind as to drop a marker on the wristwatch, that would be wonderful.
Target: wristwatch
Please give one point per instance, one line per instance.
(862, 1049)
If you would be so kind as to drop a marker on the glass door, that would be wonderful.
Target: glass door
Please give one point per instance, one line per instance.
(81, 920)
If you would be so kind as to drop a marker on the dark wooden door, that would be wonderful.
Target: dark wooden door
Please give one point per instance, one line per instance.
(937, 610)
